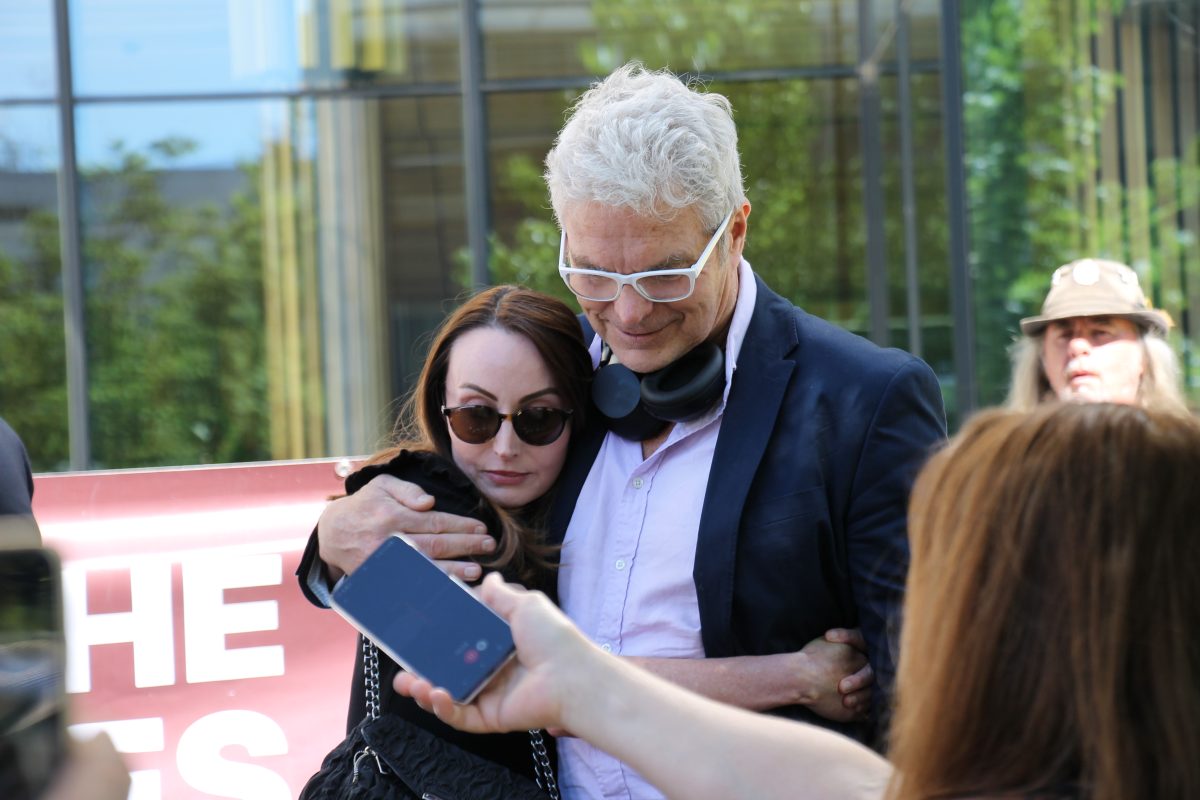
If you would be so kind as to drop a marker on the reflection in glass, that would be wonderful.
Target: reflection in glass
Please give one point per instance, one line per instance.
(33, 373)
(27, 68)
(230, 315)
(799, 144)
(540, 38)
(186, 46)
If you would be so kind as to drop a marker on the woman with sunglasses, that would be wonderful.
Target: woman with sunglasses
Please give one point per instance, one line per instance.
(485, 433)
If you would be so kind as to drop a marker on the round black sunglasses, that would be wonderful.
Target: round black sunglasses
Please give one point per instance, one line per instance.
(535, 425)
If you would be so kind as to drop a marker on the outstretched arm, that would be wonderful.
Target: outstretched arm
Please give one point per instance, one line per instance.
(686, 745)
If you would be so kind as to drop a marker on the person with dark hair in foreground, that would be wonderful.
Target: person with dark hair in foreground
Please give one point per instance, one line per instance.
(1051, 646)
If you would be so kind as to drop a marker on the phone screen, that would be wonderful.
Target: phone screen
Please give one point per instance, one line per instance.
(426, 620)
(32, 727)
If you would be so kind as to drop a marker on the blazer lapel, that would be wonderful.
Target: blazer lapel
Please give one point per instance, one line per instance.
(760, 382)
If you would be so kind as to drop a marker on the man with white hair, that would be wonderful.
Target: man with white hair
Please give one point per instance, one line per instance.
(1096, 340)
(748, 490)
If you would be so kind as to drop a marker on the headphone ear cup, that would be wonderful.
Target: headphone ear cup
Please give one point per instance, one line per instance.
(688, 386)
(617, 394)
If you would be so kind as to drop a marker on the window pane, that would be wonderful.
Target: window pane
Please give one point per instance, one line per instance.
(540, 38)
(33, 372)
(232, 316)
(800, 156)
(521, 129)
(27, 66)
(933, 339)
(185, 46)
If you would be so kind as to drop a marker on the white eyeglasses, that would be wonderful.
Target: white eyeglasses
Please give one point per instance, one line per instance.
(656, 285)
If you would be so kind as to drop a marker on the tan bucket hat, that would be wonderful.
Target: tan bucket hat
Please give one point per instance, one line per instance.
(1093, 287)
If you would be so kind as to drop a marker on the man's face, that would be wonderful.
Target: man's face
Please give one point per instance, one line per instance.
(644, 335)
(1094, 359)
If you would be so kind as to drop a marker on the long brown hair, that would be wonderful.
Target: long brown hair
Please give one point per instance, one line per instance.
(1052, 627)
(555, 331)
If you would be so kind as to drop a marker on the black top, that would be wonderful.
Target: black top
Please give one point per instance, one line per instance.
(453, 493)
(16, 480)
(17, 527)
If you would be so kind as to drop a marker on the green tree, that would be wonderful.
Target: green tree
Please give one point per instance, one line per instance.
(175, 320)
(173, 308)
(33, 393)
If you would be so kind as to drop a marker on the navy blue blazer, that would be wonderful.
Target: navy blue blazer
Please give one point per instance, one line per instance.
(803, 526)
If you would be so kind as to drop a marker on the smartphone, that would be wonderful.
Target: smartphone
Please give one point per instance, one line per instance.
(427, 621)
(32, 659)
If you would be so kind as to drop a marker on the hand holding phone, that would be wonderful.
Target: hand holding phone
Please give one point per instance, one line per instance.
(427, 621)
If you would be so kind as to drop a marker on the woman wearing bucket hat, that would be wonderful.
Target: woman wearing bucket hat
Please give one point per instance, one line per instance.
(1096, 340)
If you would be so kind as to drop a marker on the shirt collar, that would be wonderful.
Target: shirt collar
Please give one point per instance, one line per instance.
(743, 310)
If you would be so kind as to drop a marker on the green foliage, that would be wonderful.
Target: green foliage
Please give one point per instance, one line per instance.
(175, 320)
(173, 309)
(33, 392)
(530, 258)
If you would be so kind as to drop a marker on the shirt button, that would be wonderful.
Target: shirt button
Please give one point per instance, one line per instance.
(606, 647)
(620, 563)
(637, 483)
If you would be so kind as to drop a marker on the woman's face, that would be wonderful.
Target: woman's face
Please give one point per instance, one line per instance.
(1094, 359)
(504, 371)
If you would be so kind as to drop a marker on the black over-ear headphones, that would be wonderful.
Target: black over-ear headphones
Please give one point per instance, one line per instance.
(638, 407)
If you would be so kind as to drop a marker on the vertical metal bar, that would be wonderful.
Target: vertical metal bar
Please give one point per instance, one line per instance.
(1177, 153)
(1146, 19)
(872, 157)
(475, 157)
(907, 190)
(966, 391)
(1122, 166)
(71, 250)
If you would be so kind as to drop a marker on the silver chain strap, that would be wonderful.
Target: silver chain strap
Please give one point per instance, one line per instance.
(371, 681)
(371, 676)
(541, 765)
(542, 771)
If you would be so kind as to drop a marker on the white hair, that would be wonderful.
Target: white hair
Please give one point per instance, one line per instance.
(1159, 389)
(645, 141)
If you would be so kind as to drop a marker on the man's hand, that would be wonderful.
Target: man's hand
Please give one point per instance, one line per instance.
(837, 676)
(855, 689)
(352, 527)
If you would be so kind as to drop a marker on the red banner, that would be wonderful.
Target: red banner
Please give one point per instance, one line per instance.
(188, 639)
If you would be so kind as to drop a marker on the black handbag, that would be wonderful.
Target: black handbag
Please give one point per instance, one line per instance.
(387, 757)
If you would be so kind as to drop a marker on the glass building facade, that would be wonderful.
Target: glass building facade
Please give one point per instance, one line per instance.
(228, 226)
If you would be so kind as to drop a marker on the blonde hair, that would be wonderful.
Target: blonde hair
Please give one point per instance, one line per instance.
(1051, 643)
(1159, 388)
